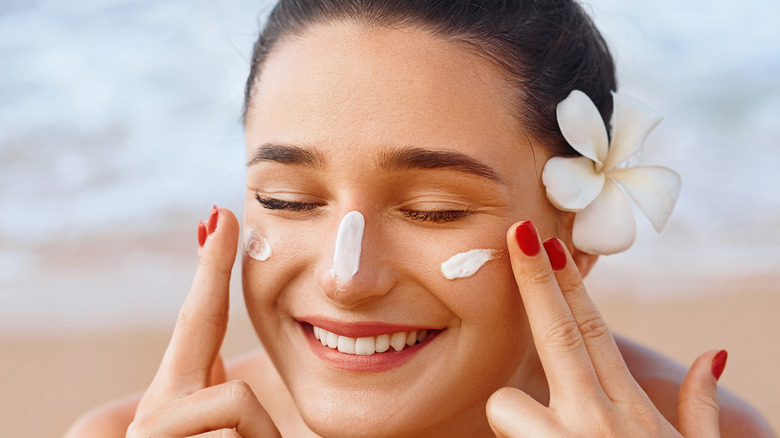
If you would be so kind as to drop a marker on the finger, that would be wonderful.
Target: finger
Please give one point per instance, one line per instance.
(557, 337)
(608, 363)
(697, 404)
(513, 413)
(222, 433)
(203, 317)
(218, 374)
(231, 405)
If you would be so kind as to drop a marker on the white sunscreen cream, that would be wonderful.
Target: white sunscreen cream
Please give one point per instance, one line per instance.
(256, 245)
(349, 241)
(467, 263)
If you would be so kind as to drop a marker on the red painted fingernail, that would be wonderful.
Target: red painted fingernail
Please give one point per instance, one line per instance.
(202, 234)
(527, 239)
(719, 363)
(213, 218)
(555, 253)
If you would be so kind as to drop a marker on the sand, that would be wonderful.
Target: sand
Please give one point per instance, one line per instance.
(47, 380)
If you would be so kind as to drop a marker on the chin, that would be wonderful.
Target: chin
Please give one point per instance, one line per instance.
(364, 414)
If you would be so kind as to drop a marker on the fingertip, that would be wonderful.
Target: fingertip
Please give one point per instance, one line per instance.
(221, 238)
(719, 363)
(698, 408)
(556, 253)
(527, 238)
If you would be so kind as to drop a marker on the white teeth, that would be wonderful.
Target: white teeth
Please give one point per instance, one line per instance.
(346, 345)
(398, 341)
(382, 343)
(333, 340)
(367, 346)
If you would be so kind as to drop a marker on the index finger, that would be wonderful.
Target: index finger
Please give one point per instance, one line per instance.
(558, 340)
(202, 321)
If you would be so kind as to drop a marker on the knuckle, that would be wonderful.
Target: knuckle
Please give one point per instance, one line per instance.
(191, 321)
(701, 403)
(564, 335)
(594, 327)
(571, 284)
(240, 392)
(541, 277)
(602, 417)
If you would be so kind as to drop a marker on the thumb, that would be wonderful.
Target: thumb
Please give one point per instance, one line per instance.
(513, 413)
(697, 404)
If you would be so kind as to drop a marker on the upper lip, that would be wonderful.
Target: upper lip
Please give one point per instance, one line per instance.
(360, 329)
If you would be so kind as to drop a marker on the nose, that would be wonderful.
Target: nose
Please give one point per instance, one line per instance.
(355, 271)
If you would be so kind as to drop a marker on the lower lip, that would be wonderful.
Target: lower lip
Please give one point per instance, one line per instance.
(374, 363)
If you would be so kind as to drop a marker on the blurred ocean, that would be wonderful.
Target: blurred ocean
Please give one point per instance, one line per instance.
(119, 127)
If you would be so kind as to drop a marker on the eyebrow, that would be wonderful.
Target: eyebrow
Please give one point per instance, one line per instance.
(292, 155)
(420, 158)
(389, 159)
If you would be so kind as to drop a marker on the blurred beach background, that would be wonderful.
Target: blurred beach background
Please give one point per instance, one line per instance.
(120, 127)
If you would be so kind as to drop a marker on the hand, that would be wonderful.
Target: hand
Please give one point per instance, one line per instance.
(592, 392)
(189, 395)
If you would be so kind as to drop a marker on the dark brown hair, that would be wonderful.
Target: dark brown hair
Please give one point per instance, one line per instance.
(547, 47)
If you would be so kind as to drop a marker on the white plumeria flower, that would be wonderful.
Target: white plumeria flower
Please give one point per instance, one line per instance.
(604, 223)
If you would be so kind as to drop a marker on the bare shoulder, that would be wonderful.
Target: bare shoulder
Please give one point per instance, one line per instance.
(109, 420)
(661, 377)
(112, 419)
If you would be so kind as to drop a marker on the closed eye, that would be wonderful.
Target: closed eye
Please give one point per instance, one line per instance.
(279, 204)
(436, 216)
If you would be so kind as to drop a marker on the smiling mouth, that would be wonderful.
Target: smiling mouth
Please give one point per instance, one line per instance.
(370, 345)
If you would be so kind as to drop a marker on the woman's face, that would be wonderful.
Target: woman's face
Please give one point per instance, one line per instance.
(419, 136)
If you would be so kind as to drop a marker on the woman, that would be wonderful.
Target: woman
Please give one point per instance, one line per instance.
(416, 233)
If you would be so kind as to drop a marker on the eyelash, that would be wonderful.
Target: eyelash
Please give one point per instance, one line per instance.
(436, 216)
(278, 204)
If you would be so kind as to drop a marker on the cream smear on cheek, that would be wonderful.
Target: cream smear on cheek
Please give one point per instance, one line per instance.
(257, 246)
(467, 263)
(349, 241)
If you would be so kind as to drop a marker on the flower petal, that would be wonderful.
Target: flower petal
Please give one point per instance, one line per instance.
(654, 189)
(582, 126)
(632, 122)
(607, 225)
(571, 183)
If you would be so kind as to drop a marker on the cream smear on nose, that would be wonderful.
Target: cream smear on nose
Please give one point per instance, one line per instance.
(467, 263)
(349, 240)
(256, 245)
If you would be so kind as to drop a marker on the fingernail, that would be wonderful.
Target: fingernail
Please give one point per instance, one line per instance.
(202, 234)
(719, 363)
(555, 253)
(527, 239)
(213, 218)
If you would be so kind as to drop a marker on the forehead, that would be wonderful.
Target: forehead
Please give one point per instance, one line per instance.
(351, 85)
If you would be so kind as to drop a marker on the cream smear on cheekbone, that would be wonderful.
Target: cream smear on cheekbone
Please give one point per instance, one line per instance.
(349, 241)
(467, 263)
(257, 246)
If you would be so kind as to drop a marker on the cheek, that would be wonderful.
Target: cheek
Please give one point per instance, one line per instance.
(274, 258)
(469, 272)
(256, 245)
